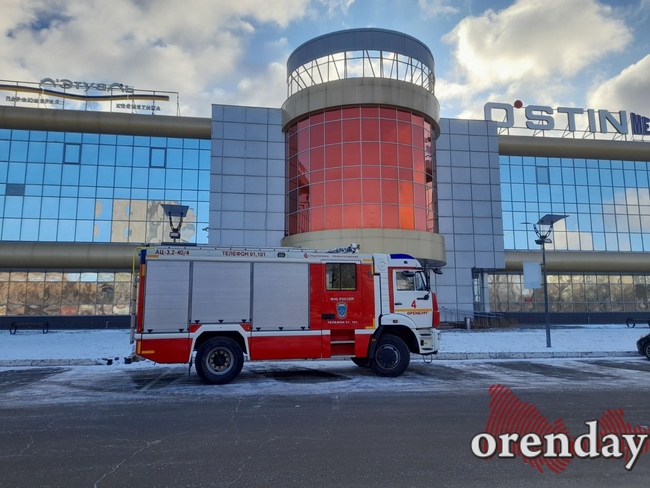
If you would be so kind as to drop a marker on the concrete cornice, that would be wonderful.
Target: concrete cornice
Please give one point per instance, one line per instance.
(558, 147)
(104, 122)
(582, 261)
(362, 91)
(66, 255)
(422, 245)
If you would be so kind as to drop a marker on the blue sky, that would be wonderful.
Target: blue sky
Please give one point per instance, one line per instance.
(584, 53)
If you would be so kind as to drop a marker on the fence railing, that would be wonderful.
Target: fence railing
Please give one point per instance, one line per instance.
(471, 319)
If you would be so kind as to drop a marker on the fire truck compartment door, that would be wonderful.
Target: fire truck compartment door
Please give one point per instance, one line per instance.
(280, 296)
(166, 296)
(221, 291)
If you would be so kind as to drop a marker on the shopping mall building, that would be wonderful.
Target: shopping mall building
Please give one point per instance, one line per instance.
(357, 153)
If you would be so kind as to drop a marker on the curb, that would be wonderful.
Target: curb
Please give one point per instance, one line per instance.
(444, 356)
(534, 355)
(9, 363)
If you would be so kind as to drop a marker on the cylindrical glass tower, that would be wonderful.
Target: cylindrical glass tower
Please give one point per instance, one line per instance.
(361, 122)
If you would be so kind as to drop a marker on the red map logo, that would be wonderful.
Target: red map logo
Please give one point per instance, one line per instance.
(518, 429)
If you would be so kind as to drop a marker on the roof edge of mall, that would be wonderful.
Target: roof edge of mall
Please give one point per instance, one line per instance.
(25, 118)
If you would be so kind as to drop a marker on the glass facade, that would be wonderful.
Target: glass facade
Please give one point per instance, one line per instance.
(608, 208)
(61, 292)
(574, 292)
(361, 167)
(365, 63)
(75, 187)
(608, 202)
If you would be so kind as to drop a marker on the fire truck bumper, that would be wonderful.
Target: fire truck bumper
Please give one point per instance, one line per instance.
(429, 341)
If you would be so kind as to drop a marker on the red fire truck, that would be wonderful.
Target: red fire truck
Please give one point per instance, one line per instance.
(216, 306)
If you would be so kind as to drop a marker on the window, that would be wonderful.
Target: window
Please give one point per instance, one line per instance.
(341, 276)
(410, 281)
(420, 282)
(157, 157)
(15, 190)
(404, 281)
(542, 175)
(72, 153)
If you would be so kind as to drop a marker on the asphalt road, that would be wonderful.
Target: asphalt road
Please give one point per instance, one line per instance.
(159, 427)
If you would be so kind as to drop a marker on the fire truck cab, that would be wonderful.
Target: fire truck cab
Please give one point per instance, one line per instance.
(217, 307)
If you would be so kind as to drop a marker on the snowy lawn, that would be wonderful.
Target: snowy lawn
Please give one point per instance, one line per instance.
(98, 344)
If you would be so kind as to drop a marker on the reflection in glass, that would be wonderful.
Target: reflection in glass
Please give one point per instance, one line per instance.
(107, 171)
(158, 156)
(86, 188)
(606, 199)
(375, 163)
(574, 292)
(64, 293)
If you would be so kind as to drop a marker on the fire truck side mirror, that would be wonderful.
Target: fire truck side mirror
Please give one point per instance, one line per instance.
(427, 277)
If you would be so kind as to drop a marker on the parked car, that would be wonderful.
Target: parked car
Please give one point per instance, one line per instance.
(643, 345)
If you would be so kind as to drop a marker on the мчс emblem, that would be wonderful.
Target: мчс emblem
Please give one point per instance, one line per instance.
(341, 310)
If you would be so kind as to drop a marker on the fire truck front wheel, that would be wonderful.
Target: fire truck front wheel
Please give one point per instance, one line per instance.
(219, 360)
(392, 356)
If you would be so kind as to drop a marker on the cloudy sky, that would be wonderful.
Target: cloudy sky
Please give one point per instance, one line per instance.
(583, 53)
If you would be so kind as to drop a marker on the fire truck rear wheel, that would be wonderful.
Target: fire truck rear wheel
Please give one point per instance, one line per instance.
(219, 360)
(392, 356)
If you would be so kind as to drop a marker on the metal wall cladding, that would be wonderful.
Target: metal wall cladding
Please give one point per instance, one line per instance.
(225, 291)
(221, 292)
(167, 288)
(280, 296)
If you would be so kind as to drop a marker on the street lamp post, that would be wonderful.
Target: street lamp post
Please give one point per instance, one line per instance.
(175, 212)
(547, 316)
(543, 229)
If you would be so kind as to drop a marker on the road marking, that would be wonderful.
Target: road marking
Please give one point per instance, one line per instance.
(154, 381)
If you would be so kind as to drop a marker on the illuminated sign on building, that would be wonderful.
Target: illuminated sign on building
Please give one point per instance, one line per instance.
(82, 85)
(48, 92)
(545, 118)
(640, 124)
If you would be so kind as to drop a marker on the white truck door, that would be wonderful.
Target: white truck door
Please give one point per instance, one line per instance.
(411, 297)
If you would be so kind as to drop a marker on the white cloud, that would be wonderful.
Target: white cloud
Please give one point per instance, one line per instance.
(334, 6)
(564, 239)
(190, 47)
(432, 8)
(530, 50)
(626, 91)
(263, 90)
(628, 211)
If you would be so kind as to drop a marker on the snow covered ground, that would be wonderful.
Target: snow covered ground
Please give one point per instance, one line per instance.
(76, 350)
(456, 344)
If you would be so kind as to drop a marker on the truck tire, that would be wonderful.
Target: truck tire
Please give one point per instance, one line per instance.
(391, 358)
(219, 360)
(363, 362)
(646, 350)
